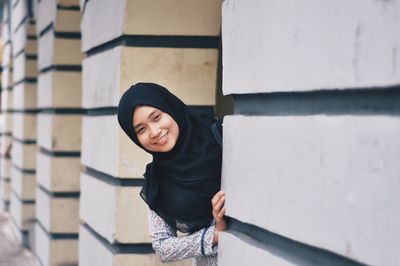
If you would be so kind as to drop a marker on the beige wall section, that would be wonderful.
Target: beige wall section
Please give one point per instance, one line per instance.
(188, 73)
(57, 214)
(5, 190)
(6, 104)
(58, 51)
(59, 89)
(24, 126)
(59, 132)
(63, 20)
(6, 167)
(105, 20)
(25, 96)
(22, 214)
(173, 17)
(23, 155)
(58, 174)
(121, 217)
(24, 68)
(23, 184)
(53, 252)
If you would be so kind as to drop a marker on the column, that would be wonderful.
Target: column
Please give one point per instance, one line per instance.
(6, 106)
(24, 110)
(310, 160)
(59, 132)
(173, 43)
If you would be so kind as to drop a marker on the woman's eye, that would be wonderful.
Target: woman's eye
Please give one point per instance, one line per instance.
(140, 130)
(157, 117)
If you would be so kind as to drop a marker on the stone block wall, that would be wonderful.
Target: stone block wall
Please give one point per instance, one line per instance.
(6, 116)
(23, 116)
(174, 43)
(311, 153)
(59, 132)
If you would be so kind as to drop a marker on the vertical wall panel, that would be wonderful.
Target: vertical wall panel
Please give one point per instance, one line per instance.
(311, 153)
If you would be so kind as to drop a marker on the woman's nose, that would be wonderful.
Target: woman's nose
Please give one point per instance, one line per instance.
(154, 131)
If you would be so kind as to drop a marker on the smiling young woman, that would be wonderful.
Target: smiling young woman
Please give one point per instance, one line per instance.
(182, 182)
(156, 131)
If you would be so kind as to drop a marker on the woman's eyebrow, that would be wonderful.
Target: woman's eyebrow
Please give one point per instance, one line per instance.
(148, 117)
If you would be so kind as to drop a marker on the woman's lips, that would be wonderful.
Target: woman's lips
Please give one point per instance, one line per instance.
(162, 140)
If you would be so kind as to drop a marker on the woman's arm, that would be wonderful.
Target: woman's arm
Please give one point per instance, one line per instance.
(169, 247)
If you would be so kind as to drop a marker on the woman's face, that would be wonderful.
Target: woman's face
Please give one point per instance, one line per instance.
(156, 131)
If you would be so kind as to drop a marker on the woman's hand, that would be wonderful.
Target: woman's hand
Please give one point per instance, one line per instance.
(219, 214)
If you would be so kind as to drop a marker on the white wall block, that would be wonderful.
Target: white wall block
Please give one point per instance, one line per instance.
(19, 39)
(93, 252)
(5, 167)
(59, 132)
(103, 20)
(55, 252)
(57, 215)
(106, 148)
(233, 250)
(293, 45)
(6, 56)
(330, 182)
(5, 78)
(4, 30)
(24, 126)
(19, 12)
(120, 217)
(58, 174)
(23, 184)
(188, 73)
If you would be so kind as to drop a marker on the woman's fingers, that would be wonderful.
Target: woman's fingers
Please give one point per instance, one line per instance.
(221, 214)
(217, 197)
(219, 204)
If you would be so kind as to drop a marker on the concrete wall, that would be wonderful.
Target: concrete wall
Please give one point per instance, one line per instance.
(6, 116)
(174, 43)
(59, 131)
(311, 153)
(19, 112)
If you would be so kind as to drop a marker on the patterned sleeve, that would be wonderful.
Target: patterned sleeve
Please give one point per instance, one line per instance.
(170, 247)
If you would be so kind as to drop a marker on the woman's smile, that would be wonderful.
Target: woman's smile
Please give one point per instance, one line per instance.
(162, 140)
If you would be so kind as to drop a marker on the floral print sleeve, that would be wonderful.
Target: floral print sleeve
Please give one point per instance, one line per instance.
(170, 247)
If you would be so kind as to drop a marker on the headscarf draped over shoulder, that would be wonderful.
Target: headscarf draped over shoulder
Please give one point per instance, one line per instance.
(179, 184)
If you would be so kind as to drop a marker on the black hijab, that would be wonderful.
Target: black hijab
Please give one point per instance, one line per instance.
(179, 184)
